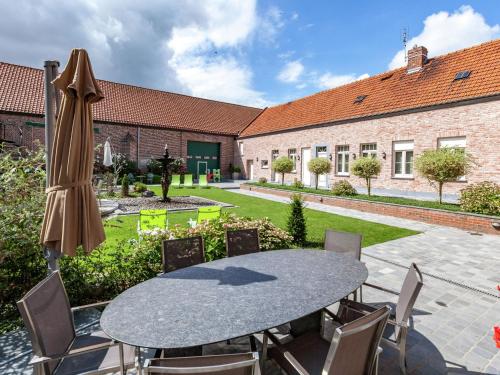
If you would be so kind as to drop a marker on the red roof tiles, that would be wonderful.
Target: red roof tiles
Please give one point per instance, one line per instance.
(21, 90)
(392, 91)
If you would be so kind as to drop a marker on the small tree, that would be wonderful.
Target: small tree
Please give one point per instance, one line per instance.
(443, 165)
(319, 166)
(282, 165)
(125, 186)
(367, 168)
(296, 224)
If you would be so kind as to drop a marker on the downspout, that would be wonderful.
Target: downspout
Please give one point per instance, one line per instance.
(138, 137)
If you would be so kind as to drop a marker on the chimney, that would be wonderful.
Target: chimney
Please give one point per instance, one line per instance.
(417, 57)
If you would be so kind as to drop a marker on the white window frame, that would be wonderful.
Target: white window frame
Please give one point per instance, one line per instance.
(455, 143)
(266, 166)
(369, 152)
(404, 147)
(293, 157)
(342, 155)
(241, 148)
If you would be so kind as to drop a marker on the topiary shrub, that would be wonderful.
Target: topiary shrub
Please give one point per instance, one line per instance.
(262, 180)
(125, 186)
(344, 188)
(282, 165)
(296, 224)
(140, 187)
(319, 166)
(366, 168)
(481, 198)
(298, 184)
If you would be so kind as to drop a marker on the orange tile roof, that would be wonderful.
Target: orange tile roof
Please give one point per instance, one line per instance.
(21, 91)
(392, 92)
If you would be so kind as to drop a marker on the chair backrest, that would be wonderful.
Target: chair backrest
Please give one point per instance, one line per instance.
(208, 213)
(47, 315)
(152, 219)
(149, 178)
(242, 241)
(408, 295)
(227, 364)
(354, 346)
(343, 242)
(203, 179)
(182, 253)
(188, 180)
(176, 179)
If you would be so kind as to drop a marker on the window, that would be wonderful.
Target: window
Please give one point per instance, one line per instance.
(456, 143)
(264, 164)
(321, 150)
(292, 154)
(240, 147)
(403, 159)
(359, 99)
(274, 154)
(462, 75)
(369, 149)
(343, 160)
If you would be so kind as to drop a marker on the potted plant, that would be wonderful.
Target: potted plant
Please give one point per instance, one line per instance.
(235, 171)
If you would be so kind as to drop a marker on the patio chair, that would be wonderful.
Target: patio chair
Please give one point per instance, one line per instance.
(226, 364)
(242, 241)
(181, 253)
(151, 220)
(208, 213)
(397, 332)
(217, 176)
(188, 181)
(354, 349)
(149, 178)
(176, 181)
(347, 243)
(202, 181)
(48, 317)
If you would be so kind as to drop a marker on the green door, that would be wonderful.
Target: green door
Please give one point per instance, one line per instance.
(199, 153)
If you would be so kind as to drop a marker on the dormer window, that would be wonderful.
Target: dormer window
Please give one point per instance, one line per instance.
(462, 75)
(360, 99)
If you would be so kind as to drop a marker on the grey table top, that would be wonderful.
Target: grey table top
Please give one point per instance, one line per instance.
(230, 297)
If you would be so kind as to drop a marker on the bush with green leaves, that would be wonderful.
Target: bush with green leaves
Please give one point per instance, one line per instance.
(366, 168)
(262, 180)
(319, 166)
(298, 184)
(443, 165)
(296, 223)
(154, 166)
(140, 187)
(22, 204)
(125, 186)
(343, 188)
(282, 165)
(481, 198)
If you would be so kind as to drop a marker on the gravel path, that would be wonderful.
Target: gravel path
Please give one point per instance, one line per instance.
(129, 205)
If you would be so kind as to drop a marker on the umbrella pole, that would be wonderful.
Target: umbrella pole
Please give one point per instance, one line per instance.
(51, 106)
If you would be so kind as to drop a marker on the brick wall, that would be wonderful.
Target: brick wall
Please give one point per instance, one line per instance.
(469, 222)
(479, 123)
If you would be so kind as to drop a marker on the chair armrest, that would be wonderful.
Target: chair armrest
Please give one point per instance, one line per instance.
(358, 306)
(333, 315)
(287, 355)
(83, 307)
(74, 352)
(381, 288)
(394, 323)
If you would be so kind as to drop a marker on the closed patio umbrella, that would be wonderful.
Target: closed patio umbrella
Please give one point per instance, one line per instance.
(72, 217)
(108, 156)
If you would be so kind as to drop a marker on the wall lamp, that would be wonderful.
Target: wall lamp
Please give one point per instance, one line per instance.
(384, 155)
(257, 158)
(330, 157)
(353, 156)
(298, 157)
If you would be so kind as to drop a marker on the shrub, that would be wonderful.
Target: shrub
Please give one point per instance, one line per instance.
(367, 168)
(263, 180)
(298, 184)
(344, 188)
(154, 166)
(282, 165)
(125, 186)
(319, 166)
(443, 165)
(481, 198)
(140, 187)
(296, 224)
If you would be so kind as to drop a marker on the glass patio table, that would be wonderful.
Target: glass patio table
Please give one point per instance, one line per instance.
(230, 297)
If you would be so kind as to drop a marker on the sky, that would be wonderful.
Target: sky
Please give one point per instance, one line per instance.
(256, 53)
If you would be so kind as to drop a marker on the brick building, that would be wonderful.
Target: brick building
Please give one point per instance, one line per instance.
(450, 100)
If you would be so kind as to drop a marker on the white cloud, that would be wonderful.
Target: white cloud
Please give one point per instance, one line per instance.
(291, 72)
(270, 24)
(444, 32)
(294, 16)
(329, 80)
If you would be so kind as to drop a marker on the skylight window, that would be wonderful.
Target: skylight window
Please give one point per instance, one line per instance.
(462, 75)
(387, 76)
(360, 98)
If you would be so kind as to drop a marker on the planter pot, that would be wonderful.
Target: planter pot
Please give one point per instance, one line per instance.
(236, 175)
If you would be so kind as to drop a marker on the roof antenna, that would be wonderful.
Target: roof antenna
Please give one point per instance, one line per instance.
(405, 34)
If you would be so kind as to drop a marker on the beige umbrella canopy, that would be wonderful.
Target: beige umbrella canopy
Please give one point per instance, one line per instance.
(72, 216)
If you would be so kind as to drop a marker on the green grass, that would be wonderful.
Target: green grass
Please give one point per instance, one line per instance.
(373, 198)
(124, 227)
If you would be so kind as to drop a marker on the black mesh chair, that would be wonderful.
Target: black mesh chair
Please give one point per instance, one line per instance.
(181, 253)
(48, 317)
(242, 241)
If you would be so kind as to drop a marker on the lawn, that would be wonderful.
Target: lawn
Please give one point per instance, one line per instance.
(124, 227)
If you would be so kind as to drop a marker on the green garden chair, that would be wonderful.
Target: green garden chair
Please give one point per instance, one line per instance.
(176, 181)
(216, 173)
(188, 181)
(208, 213)
(203, 182)
(152, 219)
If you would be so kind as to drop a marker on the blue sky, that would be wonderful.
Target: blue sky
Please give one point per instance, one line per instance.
(250, 52)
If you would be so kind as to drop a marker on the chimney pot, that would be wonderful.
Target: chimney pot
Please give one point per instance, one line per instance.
(417, 57)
